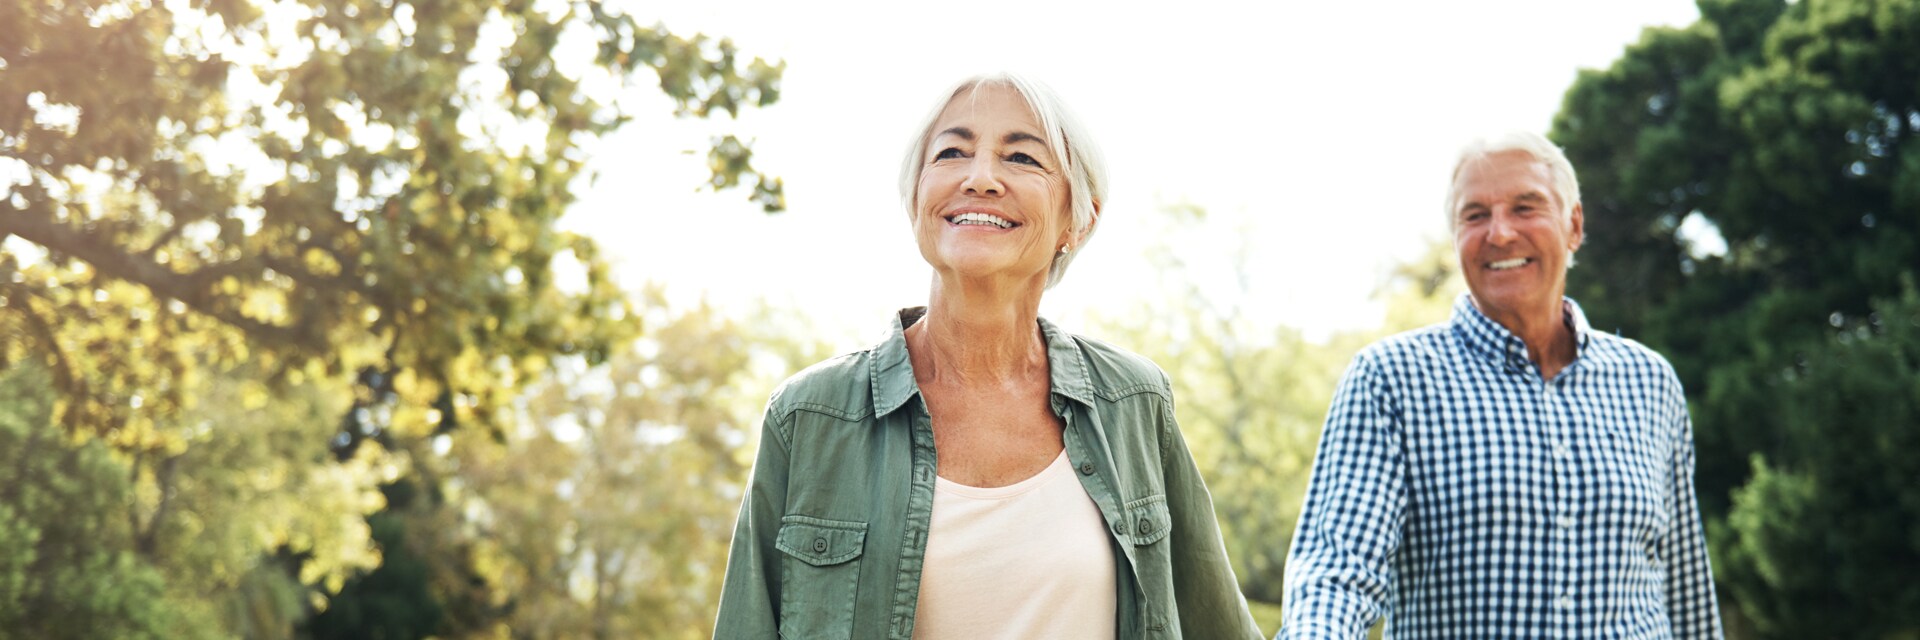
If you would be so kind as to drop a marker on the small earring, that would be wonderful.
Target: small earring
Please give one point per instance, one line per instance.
(1065, 248)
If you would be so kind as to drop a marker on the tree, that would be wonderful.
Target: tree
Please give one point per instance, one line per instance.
(364, 183)
(206, 205)
(609, 511)
(1252, 399)
(1786, 133)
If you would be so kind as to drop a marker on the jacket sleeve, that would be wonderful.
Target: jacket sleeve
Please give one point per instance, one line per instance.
(750, 595)
(1341, 561)
(1691, 606)
(1204, 588)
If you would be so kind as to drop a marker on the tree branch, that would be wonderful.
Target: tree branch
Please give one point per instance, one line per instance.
(147, 540)
(172, 232)
(64, 376)
(192, 290)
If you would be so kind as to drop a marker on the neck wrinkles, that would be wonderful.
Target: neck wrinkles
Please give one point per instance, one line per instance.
(979, 333)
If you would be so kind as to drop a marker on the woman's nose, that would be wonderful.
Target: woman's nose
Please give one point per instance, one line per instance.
(983, 177)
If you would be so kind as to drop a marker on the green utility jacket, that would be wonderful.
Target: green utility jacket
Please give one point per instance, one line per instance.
(833, 526)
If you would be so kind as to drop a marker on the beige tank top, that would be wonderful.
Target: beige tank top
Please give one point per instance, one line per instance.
(1027, 560)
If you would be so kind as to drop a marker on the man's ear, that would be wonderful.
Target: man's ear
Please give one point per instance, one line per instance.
(1576, 228)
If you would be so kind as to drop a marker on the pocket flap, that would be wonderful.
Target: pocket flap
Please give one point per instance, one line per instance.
(820, 542)
(1148, 520)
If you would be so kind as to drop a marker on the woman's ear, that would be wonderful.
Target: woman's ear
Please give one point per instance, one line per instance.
(1081, 235)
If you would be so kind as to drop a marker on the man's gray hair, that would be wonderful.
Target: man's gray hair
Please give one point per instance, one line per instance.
(1565, 185)
(1080, 160)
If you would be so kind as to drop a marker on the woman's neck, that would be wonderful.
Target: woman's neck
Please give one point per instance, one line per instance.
(979, 333)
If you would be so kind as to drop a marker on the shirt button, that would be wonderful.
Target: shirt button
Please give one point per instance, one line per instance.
(819, 545)
(1566, 602)
(1086, 468)
(1561, 450)
(1566, 522)
(1120, 528)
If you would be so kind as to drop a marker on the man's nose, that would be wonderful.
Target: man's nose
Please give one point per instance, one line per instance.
(1500, 230)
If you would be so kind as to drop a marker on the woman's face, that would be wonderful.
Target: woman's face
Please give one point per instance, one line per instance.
(992, 200)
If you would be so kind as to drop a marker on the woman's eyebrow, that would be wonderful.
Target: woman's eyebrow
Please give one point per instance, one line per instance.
(1022, 136)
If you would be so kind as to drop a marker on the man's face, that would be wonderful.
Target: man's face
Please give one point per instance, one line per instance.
(1511, 236)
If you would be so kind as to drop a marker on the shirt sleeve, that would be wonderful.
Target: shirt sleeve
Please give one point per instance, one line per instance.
(1204, 588)
(1340, 565)
(750, 593)
(1691, 606)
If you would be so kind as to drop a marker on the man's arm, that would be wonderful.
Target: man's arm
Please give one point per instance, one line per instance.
(1691, 606)
(750, 595)
(1341, 561)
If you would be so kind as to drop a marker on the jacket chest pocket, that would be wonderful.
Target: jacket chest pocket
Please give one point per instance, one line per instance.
(819, 576)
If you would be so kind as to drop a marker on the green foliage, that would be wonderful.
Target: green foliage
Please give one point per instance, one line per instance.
(394, 600)
(607, 510)
(210, 512)
(65, 555)
(1251, 399)
(1864, 391)
(1787, 131)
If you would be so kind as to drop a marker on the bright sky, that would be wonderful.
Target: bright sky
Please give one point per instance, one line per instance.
(1319, 134)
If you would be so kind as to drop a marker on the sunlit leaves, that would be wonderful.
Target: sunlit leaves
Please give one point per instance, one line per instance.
(229, 225)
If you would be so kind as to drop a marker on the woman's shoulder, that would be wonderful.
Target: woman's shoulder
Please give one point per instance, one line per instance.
(1114, 369)
(839, 386)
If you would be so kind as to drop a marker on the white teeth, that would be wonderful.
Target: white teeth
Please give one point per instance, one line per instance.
(1507, 264)
(982, 218)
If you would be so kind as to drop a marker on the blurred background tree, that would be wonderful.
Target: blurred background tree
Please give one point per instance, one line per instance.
(255, 257)
(1752, 188)
(1251, 398)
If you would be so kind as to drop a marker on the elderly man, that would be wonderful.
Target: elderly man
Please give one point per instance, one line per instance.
(1511, 473)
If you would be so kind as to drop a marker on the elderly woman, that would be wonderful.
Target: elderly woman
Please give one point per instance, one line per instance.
(981, 473)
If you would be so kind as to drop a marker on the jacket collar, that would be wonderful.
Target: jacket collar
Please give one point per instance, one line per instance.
(1493, 342)
(892, 371)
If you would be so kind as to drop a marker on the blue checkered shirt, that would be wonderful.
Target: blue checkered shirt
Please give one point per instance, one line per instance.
(1460, 495)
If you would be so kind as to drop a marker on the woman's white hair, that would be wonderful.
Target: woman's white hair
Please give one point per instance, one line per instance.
(1565, 185)
(1080, 160)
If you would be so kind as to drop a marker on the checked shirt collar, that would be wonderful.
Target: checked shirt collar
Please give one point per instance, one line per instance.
(1491, 341)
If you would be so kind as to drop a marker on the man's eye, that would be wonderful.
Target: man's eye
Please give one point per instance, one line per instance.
(1023, 158)
(949, 153)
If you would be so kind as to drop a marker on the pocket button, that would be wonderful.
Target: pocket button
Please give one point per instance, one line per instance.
(819, 545)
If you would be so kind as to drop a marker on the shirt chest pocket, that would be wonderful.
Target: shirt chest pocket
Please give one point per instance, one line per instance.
(819, 576)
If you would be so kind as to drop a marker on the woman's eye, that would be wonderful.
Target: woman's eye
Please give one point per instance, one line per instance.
(1023, 158)
(949, 153)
